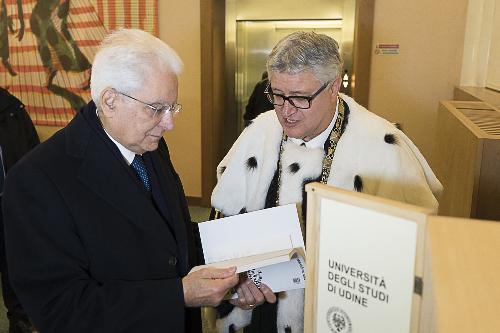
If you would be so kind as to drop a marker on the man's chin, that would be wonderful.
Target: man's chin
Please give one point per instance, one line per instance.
(292, 134)
(151, 145)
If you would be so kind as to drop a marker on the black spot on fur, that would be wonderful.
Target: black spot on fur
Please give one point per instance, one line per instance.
(243, 210)
(252, 163)
(398, 126)
(358, 183)
(222, 169)
(294, 167)
(224, 309)
(232, 329)
(390, 139)
(288, 329)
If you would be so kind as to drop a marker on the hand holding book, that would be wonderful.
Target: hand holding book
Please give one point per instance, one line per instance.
(274, 258)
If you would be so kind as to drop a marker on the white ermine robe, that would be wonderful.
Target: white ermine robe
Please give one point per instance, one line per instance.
(372, 156)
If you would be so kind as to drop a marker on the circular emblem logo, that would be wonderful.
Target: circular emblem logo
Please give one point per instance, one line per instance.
(338, 320)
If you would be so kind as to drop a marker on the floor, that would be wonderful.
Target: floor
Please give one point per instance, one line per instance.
(198, 214)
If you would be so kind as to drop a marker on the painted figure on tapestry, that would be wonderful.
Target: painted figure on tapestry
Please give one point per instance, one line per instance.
(58, 50)
(6, 26)
(47, 47)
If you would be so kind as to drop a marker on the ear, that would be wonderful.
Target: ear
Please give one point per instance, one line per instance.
(334, 88)
(107, 102)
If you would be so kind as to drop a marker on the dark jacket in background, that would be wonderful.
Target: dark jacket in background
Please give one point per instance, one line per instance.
(17, 137)
(257, 103)
(17, 133)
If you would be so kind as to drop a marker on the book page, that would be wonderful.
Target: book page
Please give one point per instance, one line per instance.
(266, 245)
(253, 233)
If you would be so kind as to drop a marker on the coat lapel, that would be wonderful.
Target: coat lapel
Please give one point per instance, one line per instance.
(104, 171)
(171, 193)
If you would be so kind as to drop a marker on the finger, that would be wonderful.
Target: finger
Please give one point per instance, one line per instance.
(257, 295)
(269, 295)
(241, 301)
(221, 287)
(238, 304)
(247, 295)
(218, 273)
(230, 281)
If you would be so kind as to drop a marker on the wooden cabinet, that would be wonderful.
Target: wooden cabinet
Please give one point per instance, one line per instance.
(467, 159)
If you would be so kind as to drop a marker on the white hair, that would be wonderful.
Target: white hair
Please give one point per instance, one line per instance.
(127, 58)
(302, 51)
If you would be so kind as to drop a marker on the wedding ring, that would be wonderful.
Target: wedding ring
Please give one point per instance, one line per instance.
(251, 305)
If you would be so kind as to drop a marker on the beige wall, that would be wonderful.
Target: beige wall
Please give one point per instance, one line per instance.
(180, 28)
(406, 88)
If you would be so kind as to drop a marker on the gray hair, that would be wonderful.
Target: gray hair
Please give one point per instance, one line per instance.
(302, 51)
(126, 59)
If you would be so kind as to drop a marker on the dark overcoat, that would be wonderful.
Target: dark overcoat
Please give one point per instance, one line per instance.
(88, 248)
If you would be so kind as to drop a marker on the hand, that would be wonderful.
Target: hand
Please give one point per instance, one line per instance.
(208, 286)
(250, 296)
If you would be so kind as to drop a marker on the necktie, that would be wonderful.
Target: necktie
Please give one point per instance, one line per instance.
(140, 169)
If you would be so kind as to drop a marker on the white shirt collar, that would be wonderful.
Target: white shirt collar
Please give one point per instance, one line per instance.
(319, 140)
(127, 154)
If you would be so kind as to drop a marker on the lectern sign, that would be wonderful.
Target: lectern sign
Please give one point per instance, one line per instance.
(364, 268)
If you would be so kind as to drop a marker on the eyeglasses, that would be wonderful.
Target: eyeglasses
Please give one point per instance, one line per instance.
(300, 102)
(159, 110)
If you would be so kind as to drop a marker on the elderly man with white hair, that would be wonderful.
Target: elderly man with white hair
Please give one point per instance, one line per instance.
(98, 234)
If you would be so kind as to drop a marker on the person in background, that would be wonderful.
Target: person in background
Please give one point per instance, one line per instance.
(97, 228)
(314, 134)
(258, 102)
(17, 137)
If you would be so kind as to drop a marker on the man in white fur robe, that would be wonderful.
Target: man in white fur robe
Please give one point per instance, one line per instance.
(314, 134)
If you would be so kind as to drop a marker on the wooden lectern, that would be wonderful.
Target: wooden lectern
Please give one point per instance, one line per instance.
(366, 238)
(456, 283)
(461, 276)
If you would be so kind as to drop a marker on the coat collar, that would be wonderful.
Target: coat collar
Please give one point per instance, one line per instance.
(104, 171)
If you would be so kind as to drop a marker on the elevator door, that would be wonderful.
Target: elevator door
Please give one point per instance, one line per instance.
(255, 40)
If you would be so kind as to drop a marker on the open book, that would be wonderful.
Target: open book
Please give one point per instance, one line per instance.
(266, 245)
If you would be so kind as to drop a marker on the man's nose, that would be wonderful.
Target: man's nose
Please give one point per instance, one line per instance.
(167, 121)
(288, 108)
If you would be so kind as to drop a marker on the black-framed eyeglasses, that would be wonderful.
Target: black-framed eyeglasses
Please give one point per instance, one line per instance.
(159, 110)
(300, 102)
